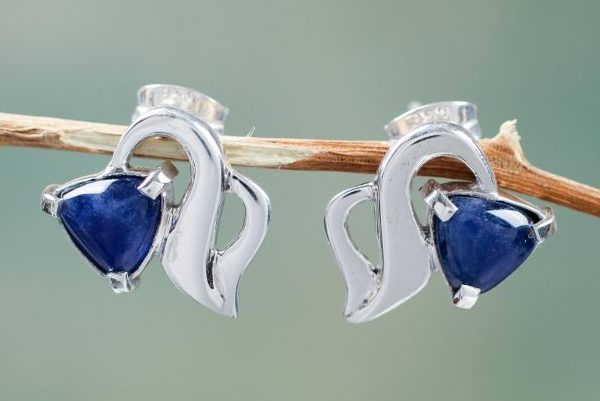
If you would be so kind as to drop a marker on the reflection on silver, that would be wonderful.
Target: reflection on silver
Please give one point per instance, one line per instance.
(545, 227)
(185, 240)
(156, 182)
(408, 255)
(362, 278)
(121, 283)
(405, 252)
(437, 201)
(466, 296)
(50, 201)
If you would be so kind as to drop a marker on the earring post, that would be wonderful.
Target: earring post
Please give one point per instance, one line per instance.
(503, 151)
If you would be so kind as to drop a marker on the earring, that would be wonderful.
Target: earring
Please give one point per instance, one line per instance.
(474, 234)
(121, 216)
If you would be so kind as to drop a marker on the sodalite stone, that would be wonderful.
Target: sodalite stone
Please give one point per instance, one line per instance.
(483, 243)
(111, 222)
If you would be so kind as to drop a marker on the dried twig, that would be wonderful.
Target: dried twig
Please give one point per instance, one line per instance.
(504, 152)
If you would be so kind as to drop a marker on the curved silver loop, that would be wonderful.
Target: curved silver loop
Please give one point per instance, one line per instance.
(406, 255)
(195, 136)
(189, 255)
(458, 112)
(359, 273)
(230, 263)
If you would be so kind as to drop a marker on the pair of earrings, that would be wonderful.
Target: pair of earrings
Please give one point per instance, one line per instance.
(474, 234)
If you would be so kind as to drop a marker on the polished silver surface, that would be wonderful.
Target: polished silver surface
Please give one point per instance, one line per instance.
(185, 240)
(362, 278)
(404, 243)
(229, 264)
(408, 255)
(189, 256)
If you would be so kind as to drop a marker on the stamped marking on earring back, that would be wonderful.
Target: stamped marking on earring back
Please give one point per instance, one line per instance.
(457, 112)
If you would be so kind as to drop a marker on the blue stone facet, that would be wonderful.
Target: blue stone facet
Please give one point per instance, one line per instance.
(111, 222)
(483, 242)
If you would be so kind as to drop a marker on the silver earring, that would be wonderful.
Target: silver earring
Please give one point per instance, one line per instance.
(474, 234)
(121, 216)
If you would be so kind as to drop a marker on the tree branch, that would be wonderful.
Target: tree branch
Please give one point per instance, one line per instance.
(504, 152)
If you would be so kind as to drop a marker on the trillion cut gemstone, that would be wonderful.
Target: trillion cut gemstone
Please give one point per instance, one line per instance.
(483, 242)
(111, 222)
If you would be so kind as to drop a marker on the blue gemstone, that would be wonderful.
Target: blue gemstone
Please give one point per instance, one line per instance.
(483, 242)
(111, 222)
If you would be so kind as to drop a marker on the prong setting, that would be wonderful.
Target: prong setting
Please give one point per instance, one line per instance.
(182, 234)
(437, 201)
(122, 283)
(466, 296)
(50, 201)
(546, 227)
(156, 182)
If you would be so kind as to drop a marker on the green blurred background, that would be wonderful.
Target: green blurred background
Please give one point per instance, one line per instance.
(328, 69)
